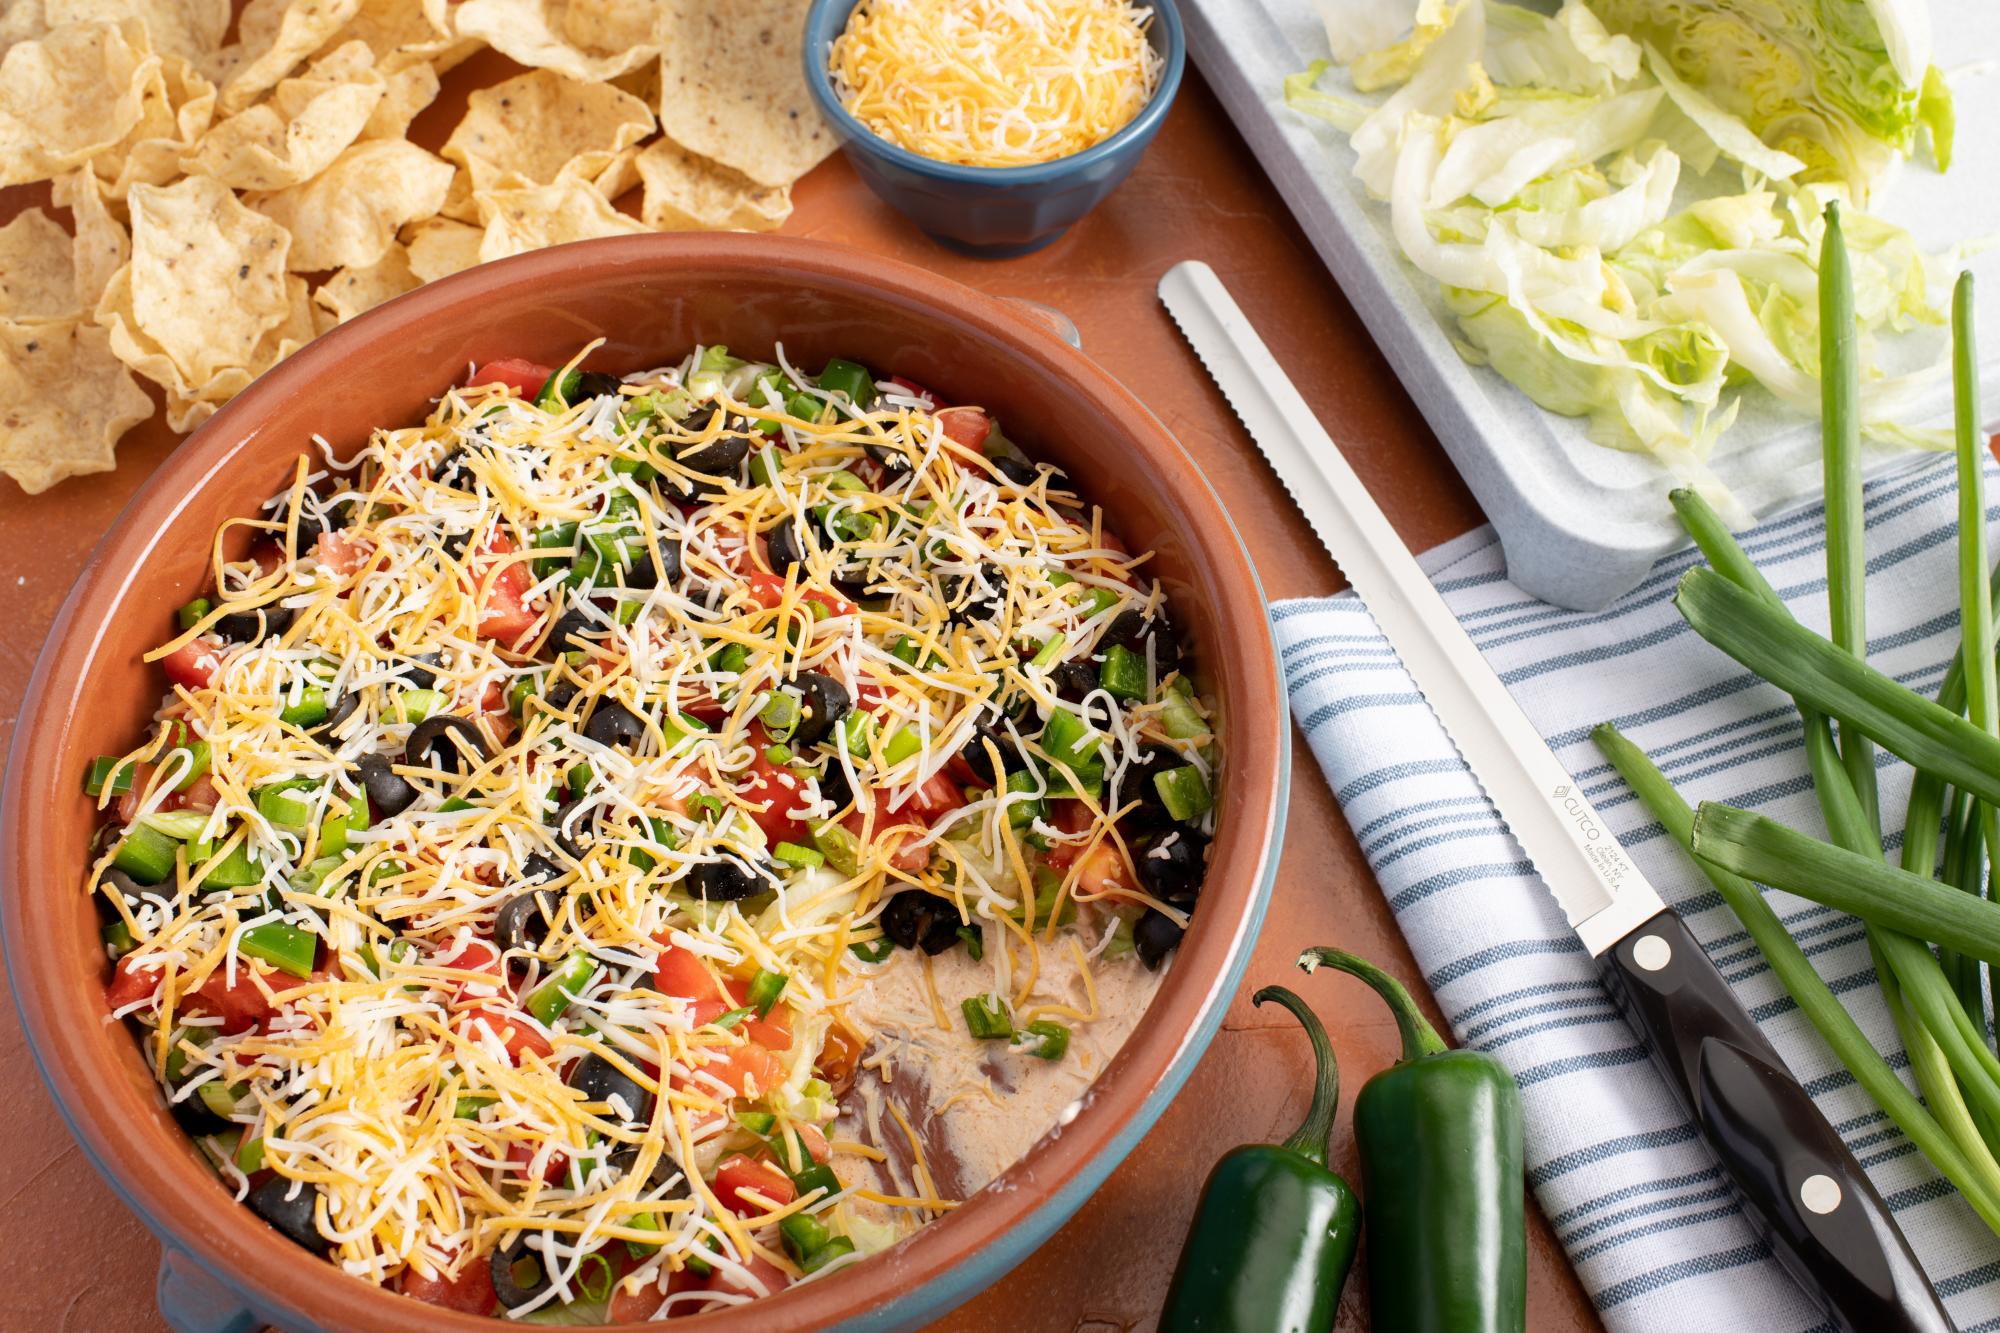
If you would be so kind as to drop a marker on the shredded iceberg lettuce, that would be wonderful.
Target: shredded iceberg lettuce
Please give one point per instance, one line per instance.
(1530, 163)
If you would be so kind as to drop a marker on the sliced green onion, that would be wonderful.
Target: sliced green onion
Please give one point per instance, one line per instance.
(873, 951)
(310, 709)
(765, 988)
(1052, 1039)
(289, 804)
(792, 854)
(732, 1018)
(986, 1018)
(901, 746)
(416, 705)
(1049, 651)
(190, 615)
(975, 942)
(780, 714)
(249, 1154)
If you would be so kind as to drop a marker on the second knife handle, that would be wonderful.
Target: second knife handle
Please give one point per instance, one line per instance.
(1795, 1177)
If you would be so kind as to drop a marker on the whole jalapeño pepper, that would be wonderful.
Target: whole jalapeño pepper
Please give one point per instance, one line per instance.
(1441, 1177)
(1275, 1230)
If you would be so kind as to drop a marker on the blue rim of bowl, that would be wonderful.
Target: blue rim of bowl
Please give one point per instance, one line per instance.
(859, 136)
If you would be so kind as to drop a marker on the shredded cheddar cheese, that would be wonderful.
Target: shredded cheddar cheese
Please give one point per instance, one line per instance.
(995, 83)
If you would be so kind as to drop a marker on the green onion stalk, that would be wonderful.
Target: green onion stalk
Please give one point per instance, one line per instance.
(1840, 433)
(1975, 600)
(1971, 1170)
(1922, 997)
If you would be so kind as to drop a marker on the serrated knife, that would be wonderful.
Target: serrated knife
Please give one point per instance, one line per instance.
(1823, 1218)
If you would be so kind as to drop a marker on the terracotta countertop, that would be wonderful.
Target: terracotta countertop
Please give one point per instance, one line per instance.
(78, 1260)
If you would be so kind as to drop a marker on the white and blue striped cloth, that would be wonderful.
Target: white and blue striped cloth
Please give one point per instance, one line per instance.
(1634, 1195)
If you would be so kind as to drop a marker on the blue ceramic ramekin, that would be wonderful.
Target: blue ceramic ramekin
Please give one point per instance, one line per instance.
(991, 212)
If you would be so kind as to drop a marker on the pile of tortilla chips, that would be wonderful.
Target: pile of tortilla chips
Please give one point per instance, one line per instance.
(239, 181)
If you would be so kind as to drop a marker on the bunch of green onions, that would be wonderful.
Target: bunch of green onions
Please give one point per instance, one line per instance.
(1933, 925)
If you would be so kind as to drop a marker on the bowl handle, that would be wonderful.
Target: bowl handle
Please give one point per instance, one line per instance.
(193, 1302)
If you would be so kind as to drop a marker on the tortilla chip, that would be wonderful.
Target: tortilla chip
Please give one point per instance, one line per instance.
(64, 402)
(346, 217)
(689, 193)
(733, 87)
(410, 90)
(406, 33)
(275, 36)
(37, 271)
(440, 247)
(22, 21)
(540, 125)
(458, 204)
(102, 244)
(299, 130)
(620, 176)
(70, 96)
(538, 33)
(179, 108)
(207, 277)
(190, 29)
(191, 402)
(536, 216)
(353, 290)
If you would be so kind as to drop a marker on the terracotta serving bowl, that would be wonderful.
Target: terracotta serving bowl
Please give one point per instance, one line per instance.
(650, 297)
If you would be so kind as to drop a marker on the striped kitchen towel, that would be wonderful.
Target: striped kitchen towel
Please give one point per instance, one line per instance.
(1633, 1194)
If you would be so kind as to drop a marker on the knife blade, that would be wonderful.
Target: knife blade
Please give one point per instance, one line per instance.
(1799, 1184)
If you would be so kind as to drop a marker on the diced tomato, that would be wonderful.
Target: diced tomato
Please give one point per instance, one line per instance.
(708, 708)
(774, 788)
(516, 1031)
(741, 1182)
(1103, 868)
(911, 389)
(130, 983)
(936, 796)
(817, 1148)
(521, 1162)
(468, 953)
(504, 615)
(242, 1004)
(638, 1307)
(768, 590)
(773, 1278)
(343, 555)
(201, 795)
(965, 430)
(268, 556)
(746, 1070)
(682, 974)
(774, 1031)
(494, 700)
(471, 1292)
(193, 664)
(908, 856)
(525, 377)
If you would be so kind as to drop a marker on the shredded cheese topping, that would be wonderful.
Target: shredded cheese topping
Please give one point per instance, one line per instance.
(502, 564)
(995, 83)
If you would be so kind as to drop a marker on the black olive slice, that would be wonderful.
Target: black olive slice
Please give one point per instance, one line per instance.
(388, 793)
(288, 1206)
(823, 702)
(726, 881)
(523, 921)
(601, 1081)
(720, 458)
(518, 1273)
(612, 723)
(1156, 936)
(447, 743)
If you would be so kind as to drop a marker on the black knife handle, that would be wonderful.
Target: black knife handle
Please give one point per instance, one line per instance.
(1795, 1177)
